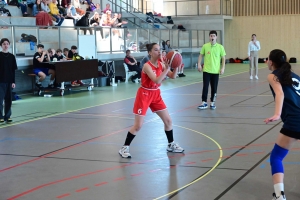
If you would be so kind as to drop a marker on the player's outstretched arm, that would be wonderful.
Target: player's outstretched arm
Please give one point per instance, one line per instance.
(279, 96)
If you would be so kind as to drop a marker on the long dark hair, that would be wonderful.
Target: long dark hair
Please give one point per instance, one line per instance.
(39, 6)
(150, 46)
(278, 57)
(167, 43)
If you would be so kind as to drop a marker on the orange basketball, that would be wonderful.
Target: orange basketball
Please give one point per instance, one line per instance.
(175, 59)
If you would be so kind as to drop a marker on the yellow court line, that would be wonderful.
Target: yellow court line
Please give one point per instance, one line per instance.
(198, 179)
(69, 111)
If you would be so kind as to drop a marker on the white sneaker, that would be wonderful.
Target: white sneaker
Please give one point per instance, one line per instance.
(213, 106)
(251, 77)
(281, 197)
(203, 105)
(256, 77)
(124, 152)
(174, 147)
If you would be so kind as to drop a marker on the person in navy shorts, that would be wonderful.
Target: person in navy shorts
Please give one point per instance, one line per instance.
(285, 87)
(40, 69)
(148, 95)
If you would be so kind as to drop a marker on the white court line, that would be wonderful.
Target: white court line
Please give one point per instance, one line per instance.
(242, 95)
(118, 110)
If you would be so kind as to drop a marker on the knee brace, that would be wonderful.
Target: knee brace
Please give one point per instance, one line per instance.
(277, 155)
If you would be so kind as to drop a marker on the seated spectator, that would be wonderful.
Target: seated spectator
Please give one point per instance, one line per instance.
(45, 8)
(104, 21)
(95, 19)
(30, 3)
(107, 8)
(52, 54)
(59, 55)
(180, 70)
(144, 60)
(114, 21)
(132, 66)
(62, 9)
(72, 56)
(72, 53)
(114, 24)
(86, 1)
(72, 14)
(95, 22)
(64, 3)
(109, 18)
(98, 8)
(3, 3)
(55, 12)
(84, 22)
(167, 46)
(92, 7)
(77, 7)
(37, 8)
(23, 5)
(41, 70)
(163, 55)
(65, 53)
(122, 24)
(42, 18)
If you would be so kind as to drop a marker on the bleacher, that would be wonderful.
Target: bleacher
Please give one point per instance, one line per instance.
(110, 48)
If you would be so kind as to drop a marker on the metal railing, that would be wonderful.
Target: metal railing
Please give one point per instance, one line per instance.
(134, 15)
(108, 40)
(128, 5)
(193, 7)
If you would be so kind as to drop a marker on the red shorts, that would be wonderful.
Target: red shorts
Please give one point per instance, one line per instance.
(148, 98)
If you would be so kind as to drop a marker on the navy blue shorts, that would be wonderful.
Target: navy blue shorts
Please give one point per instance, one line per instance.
(44, 70)
(291, 134)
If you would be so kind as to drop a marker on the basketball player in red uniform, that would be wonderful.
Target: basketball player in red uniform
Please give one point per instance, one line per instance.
(148, 95)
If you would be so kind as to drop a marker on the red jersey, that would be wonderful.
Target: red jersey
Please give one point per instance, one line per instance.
(147, 83)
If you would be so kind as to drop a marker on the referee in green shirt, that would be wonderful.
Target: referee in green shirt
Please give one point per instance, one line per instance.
(213, 53)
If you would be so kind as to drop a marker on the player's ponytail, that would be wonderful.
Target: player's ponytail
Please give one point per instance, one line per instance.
(283, 76)
(150, 46)
(285, 71)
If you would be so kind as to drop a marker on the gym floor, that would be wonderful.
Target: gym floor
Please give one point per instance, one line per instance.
(67, 147)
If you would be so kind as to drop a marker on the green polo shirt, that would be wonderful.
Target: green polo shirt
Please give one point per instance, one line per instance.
(212, 57)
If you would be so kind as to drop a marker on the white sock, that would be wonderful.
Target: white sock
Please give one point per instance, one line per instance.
(212, 103)
(278, 188)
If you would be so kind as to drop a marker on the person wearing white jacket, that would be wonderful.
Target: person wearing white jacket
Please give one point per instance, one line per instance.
(253, 48)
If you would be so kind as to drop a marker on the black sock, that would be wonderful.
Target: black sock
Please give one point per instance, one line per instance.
(169, 135)
(129, 139)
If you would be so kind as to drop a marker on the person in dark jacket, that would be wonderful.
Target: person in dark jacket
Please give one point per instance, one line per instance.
(8, 65)
(85, 22)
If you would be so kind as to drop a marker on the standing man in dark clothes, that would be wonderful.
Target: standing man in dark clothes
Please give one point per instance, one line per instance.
(8, 65)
